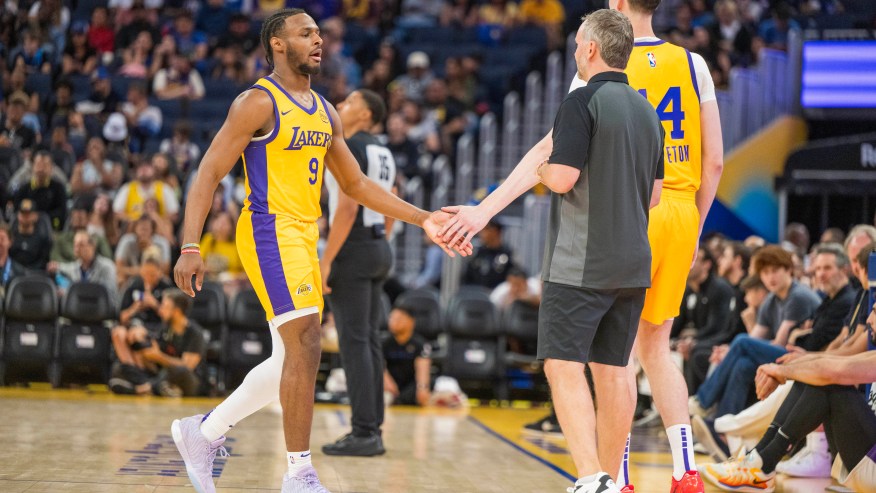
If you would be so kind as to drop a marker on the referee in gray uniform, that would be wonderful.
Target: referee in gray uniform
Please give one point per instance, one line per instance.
(354, 271)
(606, 166)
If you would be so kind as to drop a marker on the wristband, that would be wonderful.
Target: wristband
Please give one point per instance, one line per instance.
(191, 245)
(190, 250)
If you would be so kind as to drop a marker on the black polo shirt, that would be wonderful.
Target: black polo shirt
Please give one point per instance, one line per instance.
(598, 231)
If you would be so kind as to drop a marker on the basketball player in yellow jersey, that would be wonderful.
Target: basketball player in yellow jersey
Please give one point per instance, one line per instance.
(680, 87)
(287, 135)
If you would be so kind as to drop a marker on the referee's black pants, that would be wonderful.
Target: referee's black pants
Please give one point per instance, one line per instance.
(356, 280)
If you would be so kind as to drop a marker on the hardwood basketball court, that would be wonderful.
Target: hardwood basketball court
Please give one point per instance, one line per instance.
(96, 442)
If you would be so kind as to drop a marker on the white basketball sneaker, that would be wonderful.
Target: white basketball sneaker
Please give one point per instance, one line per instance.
(602, 484)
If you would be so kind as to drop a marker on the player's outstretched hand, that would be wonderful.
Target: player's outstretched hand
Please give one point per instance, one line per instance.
(433, 227)
(189, 265)
(466, 222)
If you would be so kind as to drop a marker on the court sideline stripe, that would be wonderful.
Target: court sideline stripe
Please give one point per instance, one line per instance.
(520, 449)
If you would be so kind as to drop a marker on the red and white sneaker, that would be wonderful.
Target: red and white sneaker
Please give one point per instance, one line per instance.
(628, 489)
(689, 483)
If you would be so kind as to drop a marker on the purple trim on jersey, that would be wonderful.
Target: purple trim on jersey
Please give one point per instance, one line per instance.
(255, 159)
(693, 74)
(649, 43)
(276, 129)
(310, 111)
(327, 112)
(264, 227)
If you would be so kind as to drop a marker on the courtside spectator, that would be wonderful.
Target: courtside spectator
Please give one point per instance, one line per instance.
(518, 286)
(408, 356)
(491, 262)
(47, 193)
(9, 268)
(32, 238)
(88, 266)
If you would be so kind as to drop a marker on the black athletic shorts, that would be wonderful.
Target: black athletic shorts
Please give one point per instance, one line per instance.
(588, 325)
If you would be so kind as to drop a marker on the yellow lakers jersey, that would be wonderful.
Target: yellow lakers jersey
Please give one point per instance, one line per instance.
(664, 74)
(284, 169)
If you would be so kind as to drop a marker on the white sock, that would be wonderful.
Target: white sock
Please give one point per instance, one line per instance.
(260, 387)
(681, 443)
(213, 427)
(298, 461)
(588, 479)
(623, 475)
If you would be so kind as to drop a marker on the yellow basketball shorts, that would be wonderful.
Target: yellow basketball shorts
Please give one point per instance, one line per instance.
(673, 230)
(279, 256)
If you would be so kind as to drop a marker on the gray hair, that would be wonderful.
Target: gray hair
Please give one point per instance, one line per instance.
(859, 230)
(835, 249)
(612, 33)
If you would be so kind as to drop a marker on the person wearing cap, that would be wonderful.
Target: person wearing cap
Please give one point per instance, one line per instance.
(103, 99)
(491, 262)
(48, 194)
(417, 78)
(63, 247)
(32, 238)
(131, 198)
(13, 132)
(79, 57)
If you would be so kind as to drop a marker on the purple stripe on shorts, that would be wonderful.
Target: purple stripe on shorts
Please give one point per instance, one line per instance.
(264, 228)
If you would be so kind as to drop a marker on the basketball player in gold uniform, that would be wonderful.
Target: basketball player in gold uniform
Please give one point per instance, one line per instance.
(287, 135)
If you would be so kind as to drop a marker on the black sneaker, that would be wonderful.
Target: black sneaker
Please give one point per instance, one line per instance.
(546, 427)
(351, 445)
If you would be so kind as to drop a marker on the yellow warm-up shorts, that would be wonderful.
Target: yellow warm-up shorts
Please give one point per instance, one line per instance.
(673, 231)
(279, 256)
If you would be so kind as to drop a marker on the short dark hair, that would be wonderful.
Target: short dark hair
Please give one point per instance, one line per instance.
(835, 249)
(272, 27)
(772, 256)
(179, 299)
(752, 282)
(740, 250)
(44, 153)
(707, 255)
(644, 6)
(517, 272)
(375, 105)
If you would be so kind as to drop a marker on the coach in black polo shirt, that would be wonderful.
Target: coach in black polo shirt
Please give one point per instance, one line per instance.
(606, 165)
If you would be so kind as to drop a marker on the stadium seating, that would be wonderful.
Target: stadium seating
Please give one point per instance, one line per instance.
(84, 341)
(210, 312)
(29, 329)
(476, 346)
(520, 322)
(249, 340)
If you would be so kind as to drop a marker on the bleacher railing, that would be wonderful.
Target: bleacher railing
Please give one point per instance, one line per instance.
(755, 97)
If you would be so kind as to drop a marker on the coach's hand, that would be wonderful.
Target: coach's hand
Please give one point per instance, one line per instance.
(432, 227)
(189, 265)
(466, 222)
(325, 270)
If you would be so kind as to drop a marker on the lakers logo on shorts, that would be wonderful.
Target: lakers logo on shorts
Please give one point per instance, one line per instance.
(304, 290)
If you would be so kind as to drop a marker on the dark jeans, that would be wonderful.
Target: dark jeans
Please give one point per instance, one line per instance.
(731, 383)
(182, 377)
(356, 280)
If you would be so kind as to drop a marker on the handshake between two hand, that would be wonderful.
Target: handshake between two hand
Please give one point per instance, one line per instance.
(452, 228)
